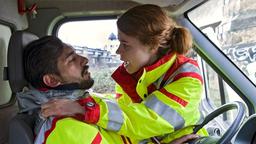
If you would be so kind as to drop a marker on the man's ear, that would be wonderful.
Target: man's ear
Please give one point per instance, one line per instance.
(51, 80)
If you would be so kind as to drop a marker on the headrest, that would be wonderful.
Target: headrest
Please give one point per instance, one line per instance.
(17, 43)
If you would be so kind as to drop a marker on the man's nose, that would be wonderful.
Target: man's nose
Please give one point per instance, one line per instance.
(84, 60)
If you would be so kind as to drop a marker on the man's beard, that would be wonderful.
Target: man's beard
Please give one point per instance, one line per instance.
(86, 84)
(83, 84)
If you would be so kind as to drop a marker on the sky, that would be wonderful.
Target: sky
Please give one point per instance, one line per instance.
(92, 34)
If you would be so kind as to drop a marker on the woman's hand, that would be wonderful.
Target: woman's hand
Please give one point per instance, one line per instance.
(61, 107)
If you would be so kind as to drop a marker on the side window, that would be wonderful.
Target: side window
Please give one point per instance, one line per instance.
(224, 24)
(5, 90)
(219, 92)
(97, 40)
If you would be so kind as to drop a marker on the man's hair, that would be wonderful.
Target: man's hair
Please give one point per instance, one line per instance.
(40, 58)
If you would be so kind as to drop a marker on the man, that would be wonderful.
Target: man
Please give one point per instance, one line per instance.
(55, 71)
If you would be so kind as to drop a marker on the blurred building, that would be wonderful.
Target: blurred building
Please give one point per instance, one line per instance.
(102, 57)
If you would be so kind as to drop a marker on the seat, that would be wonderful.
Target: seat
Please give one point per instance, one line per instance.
(21, 125)
(21, 129)
(247, 133)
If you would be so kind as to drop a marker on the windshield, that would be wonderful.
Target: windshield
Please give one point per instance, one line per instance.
(231, 25)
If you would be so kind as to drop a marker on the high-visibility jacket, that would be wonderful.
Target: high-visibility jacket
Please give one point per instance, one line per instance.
(163, 101)
(72, 131)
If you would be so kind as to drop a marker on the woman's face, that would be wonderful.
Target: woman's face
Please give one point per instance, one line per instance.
(133, 53)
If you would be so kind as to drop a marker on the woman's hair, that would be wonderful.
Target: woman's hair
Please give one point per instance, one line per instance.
(152, 26)
(40, 57)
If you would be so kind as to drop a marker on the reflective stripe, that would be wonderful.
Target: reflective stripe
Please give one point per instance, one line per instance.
(159, 81)
(129, 140)
(187, 67)
(126, 140)
(190, 75)
(123, 139)
(174, 97)
(40, 138)
(97, 139)
(118, 95)
(166, 112)
(115, 117)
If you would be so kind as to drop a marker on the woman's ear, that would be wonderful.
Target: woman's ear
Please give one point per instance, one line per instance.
(51, 80)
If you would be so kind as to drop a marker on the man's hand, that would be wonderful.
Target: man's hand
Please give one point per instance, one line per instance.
(61, 107)
(184, 139)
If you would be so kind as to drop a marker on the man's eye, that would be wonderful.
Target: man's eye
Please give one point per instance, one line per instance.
(72, 59)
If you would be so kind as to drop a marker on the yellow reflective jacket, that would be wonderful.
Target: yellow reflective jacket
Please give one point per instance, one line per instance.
(162, 101)
(73, 131)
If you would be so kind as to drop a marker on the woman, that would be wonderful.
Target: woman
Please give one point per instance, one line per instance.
(155, 72)
(158, 87)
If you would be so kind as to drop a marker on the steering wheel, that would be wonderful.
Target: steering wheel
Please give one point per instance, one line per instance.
(230, 131)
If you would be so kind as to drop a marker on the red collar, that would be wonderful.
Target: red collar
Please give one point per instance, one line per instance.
(128, 82)
(43, 89)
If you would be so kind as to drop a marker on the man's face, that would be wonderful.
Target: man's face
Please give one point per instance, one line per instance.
(73, 69)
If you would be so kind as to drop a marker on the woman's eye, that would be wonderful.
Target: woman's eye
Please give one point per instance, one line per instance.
(125, 46)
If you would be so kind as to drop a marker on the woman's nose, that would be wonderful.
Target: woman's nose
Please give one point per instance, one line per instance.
(118, 51)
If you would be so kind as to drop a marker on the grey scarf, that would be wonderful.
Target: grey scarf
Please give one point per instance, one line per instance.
(30, 101)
